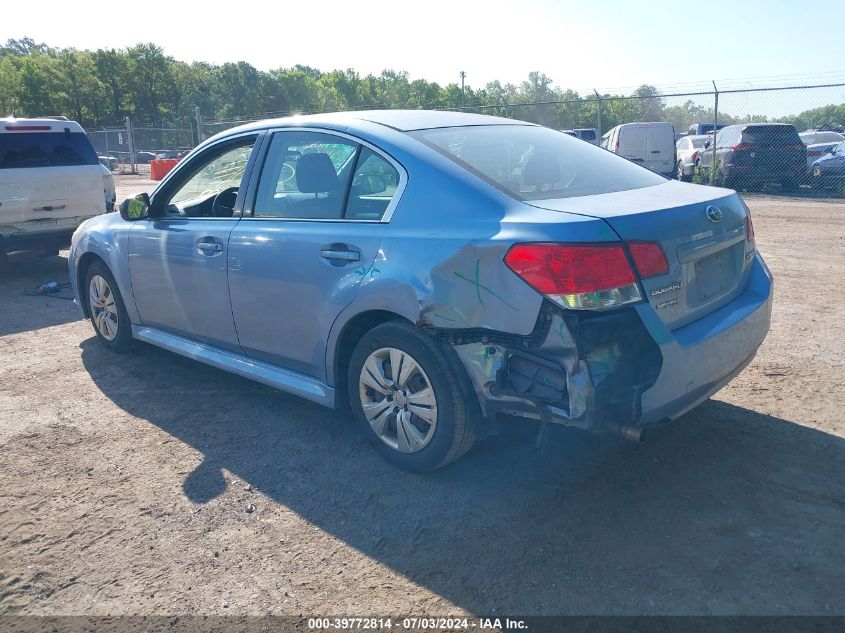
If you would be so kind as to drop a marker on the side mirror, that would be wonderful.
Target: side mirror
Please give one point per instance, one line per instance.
(137, 208)
(706, 144)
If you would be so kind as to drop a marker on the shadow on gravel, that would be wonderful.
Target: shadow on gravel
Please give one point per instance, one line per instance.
(727, 511)
(20, 275)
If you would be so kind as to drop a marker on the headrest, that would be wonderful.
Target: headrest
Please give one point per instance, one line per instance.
(541, 169)
(315, 174)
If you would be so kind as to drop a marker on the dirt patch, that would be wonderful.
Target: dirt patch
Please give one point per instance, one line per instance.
(127, 482)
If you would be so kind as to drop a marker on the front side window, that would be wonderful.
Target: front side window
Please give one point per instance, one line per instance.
(208, 185)
(536, 163)
(222, 172)
(319, 176)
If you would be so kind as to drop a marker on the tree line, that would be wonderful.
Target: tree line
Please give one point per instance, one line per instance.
(100, 88)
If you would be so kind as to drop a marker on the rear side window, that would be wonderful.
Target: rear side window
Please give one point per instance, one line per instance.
(770, 135)
(317, 176)
(45, 149)
(588, 135)
(536, 163)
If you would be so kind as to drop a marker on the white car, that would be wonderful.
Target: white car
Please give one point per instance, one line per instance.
(819, 143)
(688, 149)
(50, 182)
(651, 145)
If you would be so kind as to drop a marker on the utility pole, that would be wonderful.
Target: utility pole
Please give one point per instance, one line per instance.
(598, 112)
(198, 115)
(130, 133)
(463, 76)
(713, 166)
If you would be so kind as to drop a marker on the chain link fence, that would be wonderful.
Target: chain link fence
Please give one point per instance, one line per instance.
(117, 147)
(768, 139)
(784, 138)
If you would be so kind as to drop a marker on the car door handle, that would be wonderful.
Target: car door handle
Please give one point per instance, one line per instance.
(342, 255)
(209, 246)
(655, 151)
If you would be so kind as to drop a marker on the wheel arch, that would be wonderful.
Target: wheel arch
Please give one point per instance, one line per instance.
(348, 336)
(85, 262)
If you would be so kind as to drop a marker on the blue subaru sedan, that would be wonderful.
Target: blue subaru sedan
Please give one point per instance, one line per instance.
(433, 270)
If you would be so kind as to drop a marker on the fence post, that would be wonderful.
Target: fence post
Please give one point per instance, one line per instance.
(198, 115)
(130, 137)
(598, 111)
(715, 127)
(107, 145)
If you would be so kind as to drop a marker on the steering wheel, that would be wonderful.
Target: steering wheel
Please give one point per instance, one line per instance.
(224, 203)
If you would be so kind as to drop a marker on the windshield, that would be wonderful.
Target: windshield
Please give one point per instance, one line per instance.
(535, 163)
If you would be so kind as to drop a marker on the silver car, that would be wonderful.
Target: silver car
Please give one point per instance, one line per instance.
(688, 150)
(433, 270)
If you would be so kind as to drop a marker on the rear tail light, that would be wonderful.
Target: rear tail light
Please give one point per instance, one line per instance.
(648, 258)
(616, 146)
(814, 152)
(585, 277)
(741, 147)
(749, 228)
(695, 156)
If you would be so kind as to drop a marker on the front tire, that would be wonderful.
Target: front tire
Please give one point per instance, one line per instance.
(106, 309)
(411, 397)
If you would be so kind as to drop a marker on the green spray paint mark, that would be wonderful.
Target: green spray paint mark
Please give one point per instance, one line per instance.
(480, 286)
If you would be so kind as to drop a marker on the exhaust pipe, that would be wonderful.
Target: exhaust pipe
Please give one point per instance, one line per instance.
(635, 434)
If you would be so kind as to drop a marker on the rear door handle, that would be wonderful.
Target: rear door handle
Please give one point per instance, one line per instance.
(209, 246)
(342, 255)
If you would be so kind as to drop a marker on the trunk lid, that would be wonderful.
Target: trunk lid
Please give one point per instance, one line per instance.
(708, 257)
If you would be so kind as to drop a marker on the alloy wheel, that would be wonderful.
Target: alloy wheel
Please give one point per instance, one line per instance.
(398, 400)
(103, 308)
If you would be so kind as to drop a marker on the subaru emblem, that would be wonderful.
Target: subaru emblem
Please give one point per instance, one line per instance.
(714, 213)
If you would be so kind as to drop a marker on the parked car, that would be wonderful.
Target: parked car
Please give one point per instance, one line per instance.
(144, 158)
(177, 154)
(651, 145)
(819, 143)
(688, 149)
(754, 154)
(50, 182)
(829, 171)
(697, 129)
(433, 270)
(589, 134)
(109, 162)
(109, 191)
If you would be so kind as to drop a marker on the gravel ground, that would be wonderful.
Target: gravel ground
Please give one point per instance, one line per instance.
(149, 484)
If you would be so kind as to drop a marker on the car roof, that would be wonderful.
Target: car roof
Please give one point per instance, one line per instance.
(12, 124)
(402, 120)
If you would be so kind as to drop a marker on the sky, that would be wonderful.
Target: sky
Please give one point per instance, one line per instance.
(581, 45)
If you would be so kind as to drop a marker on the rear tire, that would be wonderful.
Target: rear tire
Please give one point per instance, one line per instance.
(106, 308)
(421, 410)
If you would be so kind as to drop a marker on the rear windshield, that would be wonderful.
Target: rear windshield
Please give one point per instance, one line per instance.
(698, 143)
(588, 135)
(45, 149)
(771, 135)
(536, 163)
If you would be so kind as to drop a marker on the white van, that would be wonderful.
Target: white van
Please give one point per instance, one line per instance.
(50, 182)
(651, 145)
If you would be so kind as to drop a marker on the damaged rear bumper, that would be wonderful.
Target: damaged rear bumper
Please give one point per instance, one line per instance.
(616, 370)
